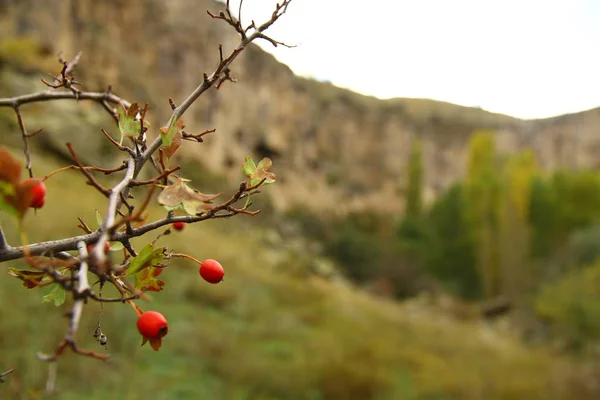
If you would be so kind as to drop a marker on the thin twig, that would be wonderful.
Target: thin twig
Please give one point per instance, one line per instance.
(25, 144)
(93, 182)
(209, 81)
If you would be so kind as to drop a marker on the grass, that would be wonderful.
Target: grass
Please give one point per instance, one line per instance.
(264, 333)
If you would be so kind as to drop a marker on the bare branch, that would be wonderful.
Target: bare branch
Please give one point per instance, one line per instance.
(215, 76)
(82, 292)
(71, 271)
(50, 95)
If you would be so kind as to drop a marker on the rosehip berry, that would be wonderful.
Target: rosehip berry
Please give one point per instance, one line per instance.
(178, 226)
(38, 190)
(212, 271)
(106, 248)
(153, 327)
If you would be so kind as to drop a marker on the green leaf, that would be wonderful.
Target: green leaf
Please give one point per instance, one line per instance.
(7, 189)
(98, 218)
(257, 173)
(116, 246)
(167, 134)
(248, 166)
(6, 206)
(171, 138)
(128, 124)
(148, 257)
(56, 294)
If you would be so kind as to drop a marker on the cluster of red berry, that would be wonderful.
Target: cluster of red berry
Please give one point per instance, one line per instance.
(152, 325)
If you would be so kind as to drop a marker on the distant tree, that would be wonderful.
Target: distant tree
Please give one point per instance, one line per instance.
(411, 229)
(414, 182)
(451, 253)
(514, 236)
(543, 217)
(482, 196)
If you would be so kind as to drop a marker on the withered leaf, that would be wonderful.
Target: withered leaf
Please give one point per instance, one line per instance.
(180, 195)
(175, 142)
(31, 279)
(10, 168)
(147, 280)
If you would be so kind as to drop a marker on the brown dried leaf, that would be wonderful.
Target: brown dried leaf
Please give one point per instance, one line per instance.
(31, 279)
(10, 167)
(180, 195)
(175, 143)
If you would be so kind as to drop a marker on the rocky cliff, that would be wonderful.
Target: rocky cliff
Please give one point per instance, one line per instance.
(332, 149)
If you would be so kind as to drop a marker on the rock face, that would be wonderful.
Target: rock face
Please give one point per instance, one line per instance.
(333, 150)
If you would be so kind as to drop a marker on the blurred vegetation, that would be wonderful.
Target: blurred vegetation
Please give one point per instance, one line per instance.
(265, 332)
(284, 324)
(507, 231)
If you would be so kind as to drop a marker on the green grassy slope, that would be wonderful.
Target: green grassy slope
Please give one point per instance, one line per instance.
(261, 334)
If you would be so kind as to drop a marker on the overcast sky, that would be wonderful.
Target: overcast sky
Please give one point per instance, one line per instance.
(526, 58)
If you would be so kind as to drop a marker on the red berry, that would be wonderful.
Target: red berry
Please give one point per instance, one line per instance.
(38, 191)
(106, 248)
(178, 226)
(152, 326)
(212, 271)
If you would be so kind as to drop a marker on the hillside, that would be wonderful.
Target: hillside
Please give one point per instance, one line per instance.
(269, 331)
(332, 148)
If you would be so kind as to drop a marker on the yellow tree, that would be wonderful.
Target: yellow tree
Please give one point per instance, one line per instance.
(514, 236)
(481, 192)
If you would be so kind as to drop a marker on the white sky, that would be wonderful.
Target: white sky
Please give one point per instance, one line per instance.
(526, 58)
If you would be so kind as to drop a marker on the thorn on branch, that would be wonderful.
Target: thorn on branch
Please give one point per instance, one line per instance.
(105, 171)
(70, 343)
(143, 129)
(83, 226)
(196, 136)
(226, 77)
(165, 174)
(138, 215)
(91, 180)
(274, 42)
(24, 136)
(116, 144)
